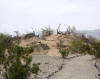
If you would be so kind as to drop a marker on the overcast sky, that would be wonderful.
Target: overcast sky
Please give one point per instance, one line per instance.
(23, 15)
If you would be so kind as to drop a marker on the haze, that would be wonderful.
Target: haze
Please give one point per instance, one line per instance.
(22, 15)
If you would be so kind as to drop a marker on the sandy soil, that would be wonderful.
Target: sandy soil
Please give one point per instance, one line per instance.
(51, 41)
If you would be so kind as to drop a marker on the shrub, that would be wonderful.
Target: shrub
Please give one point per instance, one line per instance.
(47, 31)
(82, 47)
(27, 50)
(91, 39)
(5, 42)
(17, 71)
(14, 67)
(15, 50)
(58, 29)
(19, 51)
(70, 30)
(60, 44)
(28, 60)
(64, 52)
(96, 47)
(17, 37)
(77, 46)
(29, 35)
(35, 69)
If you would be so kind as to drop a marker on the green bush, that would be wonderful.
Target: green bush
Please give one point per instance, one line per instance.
(5, 42)
(77, 46)
(19, 51)
(84, 47)
(15, 50)
(64, 52)
(14, 68)
(28, 59)
(17, 71)
(81, 47)
(28, 50)
(96, 47)
(11, 58)
(35, 69)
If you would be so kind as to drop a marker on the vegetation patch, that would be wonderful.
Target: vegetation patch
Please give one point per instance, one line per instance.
(15, 59)
(64, 52)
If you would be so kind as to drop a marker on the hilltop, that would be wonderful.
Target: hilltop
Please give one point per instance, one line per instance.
(47, 45)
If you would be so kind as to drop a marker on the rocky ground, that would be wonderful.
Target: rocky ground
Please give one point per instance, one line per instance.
(52, 67)
(74, 67)
(81, 67)
(97, 65)
(48, 65)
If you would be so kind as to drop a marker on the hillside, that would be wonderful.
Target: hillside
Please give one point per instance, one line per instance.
(47, 45)
(51, 56)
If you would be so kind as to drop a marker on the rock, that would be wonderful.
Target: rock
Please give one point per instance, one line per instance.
(49, 65)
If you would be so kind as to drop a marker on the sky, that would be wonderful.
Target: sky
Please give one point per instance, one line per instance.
(25, 15)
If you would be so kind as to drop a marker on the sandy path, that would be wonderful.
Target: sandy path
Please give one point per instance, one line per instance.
(78, 68)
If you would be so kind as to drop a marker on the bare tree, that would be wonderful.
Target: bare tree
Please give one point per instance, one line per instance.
(58, 29)
(70, 30)
(17, 37)
(73, 29)
(47, 31)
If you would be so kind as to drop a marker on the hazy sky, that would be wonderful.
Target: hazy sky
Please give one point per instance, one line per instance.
(23, 15)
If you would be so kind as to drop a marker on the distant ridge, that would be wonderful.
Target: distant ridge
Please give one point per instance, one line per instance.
(94, 33)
